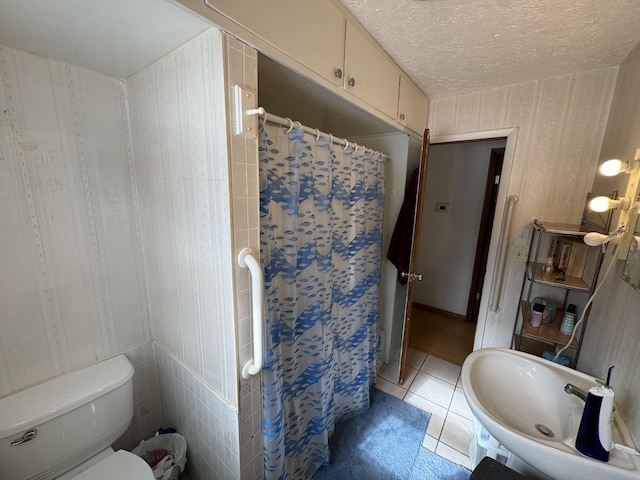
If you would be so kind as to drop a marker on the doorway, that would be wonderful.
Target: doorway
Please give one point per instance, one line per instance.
(458, 207)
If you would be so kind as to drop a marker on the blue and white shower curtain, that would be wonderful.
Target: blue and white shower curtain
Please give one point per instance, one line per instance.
(321, 237)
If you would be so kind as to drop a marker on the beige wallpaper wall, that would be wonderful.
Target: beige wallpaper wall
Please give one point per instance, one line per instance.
(72, 280)
(560, 124)
(613, 335)
(117, 229)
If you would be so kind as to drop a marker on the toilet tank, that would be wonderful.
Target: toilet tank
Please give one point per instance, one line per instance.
(58, 424)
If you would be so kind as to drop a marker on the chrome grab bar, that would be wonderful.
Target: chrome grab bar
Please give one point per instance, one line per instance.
(247, 258)
(498, 274)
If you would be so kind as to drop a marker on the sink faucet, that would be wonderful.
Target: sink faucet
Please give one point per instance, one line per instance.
(572, 389)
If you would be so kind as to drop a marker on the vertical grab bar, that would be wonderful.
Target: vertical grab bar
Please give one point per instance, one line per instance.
(498, 274)
(247, 259)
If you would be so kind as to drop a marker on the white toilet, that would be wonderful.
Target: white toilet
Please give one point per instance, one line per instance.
(64, 428)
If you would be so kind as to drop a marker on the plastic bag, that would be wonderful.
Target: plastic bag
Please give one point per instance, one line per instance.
(166, 455)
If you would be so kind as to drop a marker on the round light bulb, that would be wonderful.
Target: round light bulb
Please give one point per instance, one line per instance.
(595, 238)
(611, 167)
(600, 204)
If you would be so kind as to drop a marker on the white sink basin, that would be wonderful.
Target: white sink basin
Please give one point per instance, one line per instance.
(520, 400)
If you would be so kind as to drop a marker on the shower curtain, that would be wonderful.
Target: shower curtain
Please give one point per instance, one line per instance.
(321, 235)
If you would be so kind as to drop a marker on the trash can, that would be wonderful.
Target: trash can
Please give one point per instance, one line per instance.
(166, 453)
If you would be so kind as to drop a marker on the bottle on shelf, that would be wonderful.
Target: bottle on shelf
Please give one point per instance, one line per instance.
(568, 320)
(548, 268)
(535, 318)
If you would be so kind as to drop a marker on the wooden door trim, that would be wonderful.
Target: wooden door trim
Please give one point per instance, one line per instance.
(484, 232)
(406, 331)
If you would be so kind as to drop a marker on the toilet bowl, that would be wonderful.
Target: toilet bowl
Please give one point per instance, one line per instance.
(121, 465)
(63, 429)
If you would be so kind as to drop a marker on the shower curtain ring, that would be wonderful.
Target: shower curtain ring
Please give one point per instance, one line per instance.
(290, 124)
(299, 124)
(356, 149)
(346, 144)
(330, 140)
(317, 134)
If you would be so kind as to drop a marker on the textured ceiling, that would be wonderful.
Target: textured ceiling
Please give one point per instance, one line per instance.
(445, 46)
(454, 46)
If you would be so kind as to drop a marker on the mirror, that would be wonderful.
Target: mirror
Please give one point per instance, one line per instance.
(631, 271)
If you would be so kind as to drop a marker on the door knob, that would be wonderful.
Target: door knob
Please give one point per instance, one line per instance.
(412, 276)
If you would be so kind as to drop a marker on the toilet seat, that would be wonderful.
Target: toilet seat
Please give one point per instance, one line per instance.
(122, 465)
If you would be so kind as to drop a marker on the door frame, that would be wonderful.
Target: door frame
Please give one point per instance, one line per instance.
(511, 135)
(492, 186)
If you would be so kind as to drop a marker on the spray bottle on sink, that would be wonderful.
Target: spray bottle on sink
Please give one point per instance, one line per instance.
(594, 435)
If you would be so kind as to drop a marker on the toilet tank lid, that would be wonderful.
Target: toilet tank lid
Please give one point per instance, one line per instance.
(40, 403)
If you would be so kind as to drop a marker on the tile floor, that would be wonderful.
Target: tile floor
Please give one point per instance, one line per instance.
(433, 385)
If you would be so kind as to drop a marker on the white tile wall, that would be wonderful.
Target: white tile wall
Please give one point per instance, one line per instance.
(177, 112)
(178, 124)
(207, 421)
(242, 70)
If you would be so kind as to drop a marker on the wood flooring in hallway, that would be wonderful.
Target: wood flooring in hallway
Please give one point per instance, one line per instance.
(442, 335)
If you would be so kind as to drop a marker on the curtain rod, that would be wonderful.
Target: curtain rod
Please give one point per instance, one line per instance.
(287, 122)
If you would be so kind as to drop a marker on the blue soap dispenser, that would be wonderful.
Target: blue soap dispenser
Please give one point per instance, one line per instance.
(594, 434)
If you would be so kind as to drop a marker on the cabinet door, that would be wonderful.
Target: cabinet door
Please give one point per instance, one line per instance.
(369, 74)
(413, 106)
(309, 31)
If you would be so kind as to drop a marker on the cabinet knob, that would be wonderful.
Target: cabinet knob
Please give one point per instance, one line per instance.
(402, 116)
(338, 72)
(352, 82)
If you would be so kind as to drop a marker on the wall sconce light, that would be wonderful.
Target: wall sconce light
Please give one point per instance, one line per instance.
(594, 239)
(602, 204)
(614, 167)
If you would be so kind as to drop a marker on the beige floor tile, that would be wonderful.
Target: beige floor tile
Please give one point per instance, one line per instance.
(433, 385)
(415, 358)
(453, 455)
(447, 371)
(438, 413)
(459, 404)
(430, 443)
(390, 388)
(433, 389)
(391, 371)
(457, 432)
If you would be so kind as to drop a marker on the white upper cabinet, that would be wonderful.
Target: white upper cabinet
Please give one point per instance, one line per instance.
(368, 72)
(312, 32)
(413, 105)
(321, 40)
